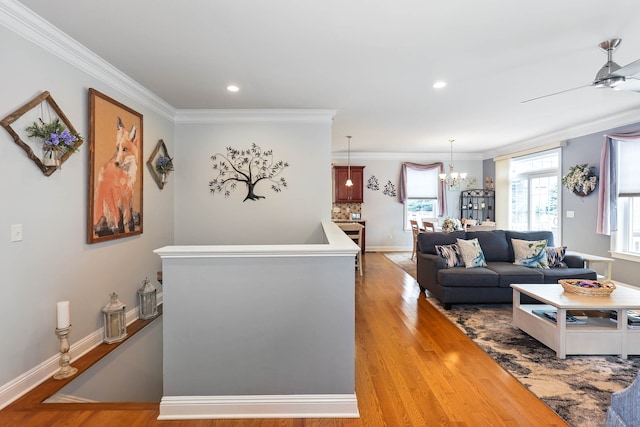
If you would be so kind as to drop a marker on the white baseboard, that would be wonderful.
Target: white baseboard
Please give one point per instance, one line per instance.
(388, 249)
(26, 382)
(268, 406)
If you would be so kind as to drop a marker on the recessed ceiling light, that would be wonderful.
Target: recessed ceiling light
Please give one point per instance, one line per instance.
(439, 84)
(233, 88)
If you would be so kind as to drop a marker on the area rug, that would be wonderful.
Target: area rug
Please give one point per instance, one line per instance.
(577, 388)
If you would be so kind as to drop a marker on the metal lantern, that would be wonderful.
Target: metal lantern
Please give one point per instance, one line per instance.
(114, 316)
(147, 300)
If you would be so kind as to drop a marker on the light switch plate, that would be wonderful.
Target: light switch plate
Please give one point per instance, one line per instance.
(16, 232)
(570, 214)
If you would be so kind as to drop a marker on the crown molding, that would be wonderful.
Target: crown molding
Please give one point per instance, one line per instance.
(309, 116)
(605, 124)
(405, 156)
(23, 21)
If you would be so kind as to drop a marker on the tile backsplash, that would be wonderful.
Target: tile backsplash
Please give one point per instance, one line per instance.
(344, 210)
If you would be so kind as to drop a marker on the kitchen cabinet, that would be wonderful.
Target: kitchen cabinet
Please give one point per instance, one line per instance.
(344, 194)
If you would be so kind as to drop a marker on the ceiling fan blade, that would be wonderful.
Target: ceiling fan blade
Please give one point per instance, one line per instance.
(631, 84)
(555, 93)
(628, 70)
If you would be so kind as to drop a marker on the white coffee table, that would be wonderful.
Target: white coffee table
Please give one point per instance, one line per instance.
(599, 335)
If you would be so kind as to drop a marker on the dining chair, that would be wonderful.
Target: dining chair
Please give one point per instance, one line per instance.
(354, 231)
(428, 226)
(466, 223)
(415, 229)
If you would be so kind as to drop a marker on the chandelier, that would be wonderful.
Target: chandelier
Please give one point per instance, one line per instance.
(453, 178)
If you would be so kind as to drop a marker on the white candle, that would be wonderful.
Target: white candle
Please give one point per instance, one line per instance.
(64, 317)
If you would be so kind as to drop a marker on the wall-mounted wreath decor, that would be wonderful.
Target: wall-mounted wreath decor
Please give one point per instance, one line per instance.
(56, 138)
(160, 164)
(580, 180)
(250, 166)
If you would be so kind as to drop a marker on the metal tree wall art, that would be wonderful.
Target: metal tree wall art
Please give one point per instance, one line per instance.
(373, 184)
(249, 166)
(389, 190)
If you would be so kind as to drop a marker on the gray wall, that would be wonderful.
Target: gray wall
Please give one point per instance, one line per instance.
(131, 373)
(54, 262)
(288, 217)
(239, 326)
(579, 232)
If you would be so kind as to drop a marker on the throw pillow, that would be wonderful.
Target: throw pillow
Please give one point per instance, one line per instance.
(555, 256)
(471, 252)
(451, 255)
(530, 253)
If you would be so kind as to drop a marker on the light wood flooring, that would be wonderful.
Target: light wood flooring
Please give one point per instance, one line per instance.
(413, 368)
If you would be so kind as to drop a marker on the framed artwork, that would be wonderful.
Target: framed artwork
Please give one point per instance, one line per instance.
(115, 169)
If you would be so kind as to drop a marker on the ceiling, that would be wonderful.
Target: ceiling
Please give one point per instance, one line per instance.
(373, 61)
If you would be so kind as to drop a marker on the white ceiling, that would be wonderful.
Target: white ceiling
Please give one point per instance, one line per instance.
(374, 61)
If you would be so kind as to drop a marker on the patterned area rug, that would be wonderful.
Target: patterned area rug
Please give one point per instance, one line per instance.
(578, 388)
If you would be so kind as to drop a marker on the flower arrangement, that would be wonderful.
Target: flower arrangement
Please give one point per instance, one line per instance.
(451, 224)
(164, 164)
(55, 135)
(580, 180)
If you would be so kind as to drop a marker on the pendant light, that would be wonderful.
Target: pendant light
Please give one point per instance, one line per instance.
(453, 178)
(349, 183)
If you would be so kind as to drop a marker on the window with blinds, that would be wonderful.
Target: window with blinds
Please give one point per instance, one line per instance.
(422, 196)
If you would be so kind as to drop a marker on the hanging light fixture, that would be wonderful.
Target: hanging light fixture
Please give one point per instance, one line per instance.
(349, 183)
(453, 178)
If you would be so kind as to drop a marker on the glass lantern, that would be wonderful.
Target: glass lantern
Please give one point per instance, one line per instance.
(147, 300)
(115, 324)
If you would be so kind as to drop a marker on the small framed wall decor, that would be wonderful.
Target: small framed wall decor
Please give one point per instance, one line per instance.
(160, 164)
(56, 137)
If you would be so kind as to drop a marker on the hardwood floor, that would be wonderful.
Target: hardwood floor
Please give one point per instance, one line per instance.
(413, 368)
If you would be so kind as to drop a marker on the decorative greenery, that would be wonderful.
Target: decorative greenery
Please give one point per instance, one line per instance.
(55, 135)
(249, 166)
(451, 224)
(580, 180)
(164, 164)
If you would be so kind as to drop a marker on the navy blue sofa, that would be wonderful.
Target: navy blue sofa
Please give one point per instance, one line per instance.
(491, 284)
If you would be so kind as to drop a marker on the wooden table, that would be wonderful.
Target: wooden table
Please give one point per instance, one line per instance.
(599, 335)
(592, 259)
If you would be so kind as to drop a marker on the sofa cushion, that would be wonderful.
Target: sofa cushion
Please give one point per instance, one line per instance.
(555, 256)
(471, 252)
(427, 241)
(451, 255)
(510, 273)
(552, 275)
(530, 253)
(493, 243)
(461, 277)
(527, 235)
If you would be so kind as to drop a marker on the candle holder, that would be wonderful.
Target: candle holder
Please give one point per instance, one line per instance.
(66, 370)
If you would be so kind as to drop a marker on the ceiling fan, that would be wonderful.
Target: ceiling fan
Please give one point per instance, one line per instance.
(611, 75)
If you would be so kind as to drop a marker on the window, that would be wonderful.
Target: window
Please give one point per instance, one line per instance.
(422, 196)
(627, 237)
(534, 192)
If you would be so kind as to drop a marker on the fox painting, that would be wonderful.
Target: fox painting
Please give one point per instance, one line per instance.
(113, 201)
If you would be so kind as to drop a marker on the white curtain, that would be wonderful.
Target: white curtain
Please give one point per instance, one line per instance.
(502, 189)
